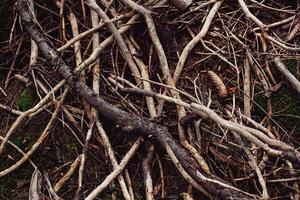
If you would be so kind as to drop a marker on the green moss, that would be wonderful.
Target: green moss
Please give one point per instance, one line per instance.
(71, 146)
(139, 189)
(22, 141)
(260, 103)
(286, 109)
(292, 65)
(17, 141)
(26, 99)
(9, 182)
(285, 105)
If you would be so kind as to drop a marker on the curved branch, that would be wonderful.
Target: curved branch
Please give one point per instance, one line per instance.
(128, 122)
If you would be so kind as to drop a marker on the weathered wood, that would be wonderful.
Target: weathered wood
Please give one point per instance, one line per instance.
(181, 4)
(128, 122)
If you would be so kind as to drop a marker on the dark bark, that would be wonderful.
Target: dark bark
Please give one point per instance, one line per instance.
(127, 121)
(181, 4)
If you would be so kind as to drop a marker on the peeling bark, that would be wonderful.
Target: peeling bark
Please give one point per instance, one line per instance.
(128, 122)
